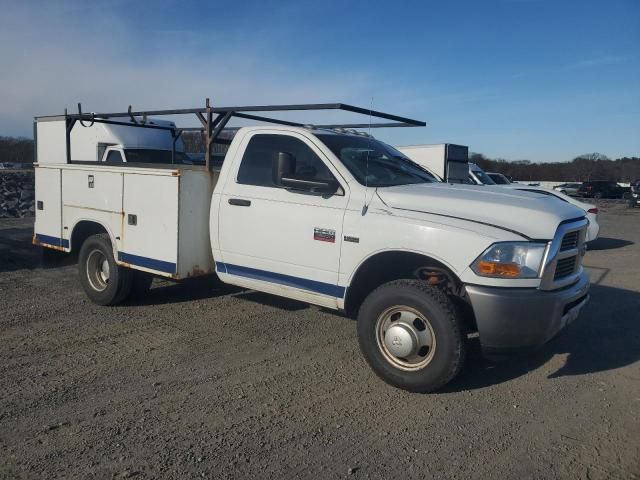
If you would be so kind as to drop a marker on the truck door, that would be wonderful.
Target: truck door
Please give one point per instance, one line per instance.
(275, 236)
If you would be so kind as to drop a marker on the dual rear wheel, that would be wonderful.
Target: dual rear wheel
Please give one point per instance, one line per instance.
(103, 280)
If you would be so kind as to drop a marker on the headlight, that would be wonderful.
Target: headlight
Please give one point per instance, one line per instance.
(510, 260)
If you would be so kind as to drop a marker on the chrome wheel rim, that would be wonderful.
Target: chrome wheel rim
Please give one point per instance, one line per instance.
(98, 270)
(406, 338)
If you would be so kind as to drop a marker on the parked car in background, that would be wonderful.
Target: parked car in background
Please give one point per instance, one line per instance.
(602, 189)
(478, 176)
(568, 188)
(498, 178)
(634, 198)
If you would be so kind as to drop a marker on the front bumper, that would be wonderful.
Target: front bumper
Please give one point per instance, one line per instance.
(514, 318)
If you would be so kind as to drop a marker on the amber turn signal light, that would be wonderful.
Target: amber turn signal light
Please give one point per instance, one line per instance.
(501, 269)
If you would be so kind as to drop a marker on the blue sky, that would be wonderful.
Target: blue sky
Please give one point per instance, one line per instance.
(544, 80)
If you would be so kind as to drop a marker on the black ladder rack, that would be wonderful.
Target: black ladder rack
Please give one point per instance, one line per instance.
(213, 126)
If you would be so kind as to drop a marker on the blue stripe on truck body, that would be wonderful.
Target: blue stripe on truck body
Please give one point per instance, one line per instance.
(137, 260)
(282, 279)
(55, 241)
(151, 263)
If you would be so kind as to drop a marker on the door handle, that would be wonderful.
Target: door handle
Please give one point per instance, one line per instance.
(239, 202)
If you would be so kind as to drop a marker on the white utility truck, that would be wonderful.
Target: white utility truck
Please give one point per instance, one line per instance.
(325, 215)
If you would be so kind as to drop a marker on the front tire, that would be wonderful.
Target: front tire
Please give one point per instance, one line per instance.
(104, 282)
(410, 335)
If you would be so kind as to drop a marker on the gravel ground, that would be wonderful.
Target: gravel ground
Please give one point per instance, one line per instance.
(203, 381)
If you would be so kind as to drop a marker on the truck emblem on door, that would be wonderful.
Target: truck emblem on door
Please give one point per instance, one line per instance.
(324, 235)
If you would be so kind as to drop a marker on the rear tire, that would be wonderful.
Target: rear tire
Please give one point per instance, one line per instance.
(104, 282)
(411, 336)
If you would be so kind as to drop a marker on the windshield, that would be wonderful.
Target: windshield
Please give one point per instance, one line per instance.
(142, 155)
(374, 163)
(499, 179)
(482, 176)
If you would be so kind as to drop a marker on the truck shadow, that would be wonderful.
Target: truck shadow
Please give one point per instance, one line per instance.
(18, 253)
(606, 243)
(164, 292)
(605, 337)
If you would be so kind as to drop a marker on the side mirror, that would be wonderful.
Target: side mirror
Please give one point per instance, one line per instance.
(284, 175)
(283, 166)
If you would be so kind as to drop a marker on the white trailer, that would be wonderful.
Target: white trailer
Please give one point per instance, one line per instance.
(155, 141)
(448, 161)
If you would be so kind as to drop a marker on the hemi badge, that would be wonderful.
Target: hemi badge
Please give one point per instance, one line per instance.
(347, 238)
(324, 235)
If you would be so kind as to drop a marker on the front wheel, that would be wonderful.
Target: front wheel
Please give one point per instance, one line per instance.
(410, 335)
(104, 282)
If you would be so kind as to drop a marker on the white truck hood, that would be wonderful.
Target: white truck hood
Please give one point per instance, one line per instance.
(531, 215)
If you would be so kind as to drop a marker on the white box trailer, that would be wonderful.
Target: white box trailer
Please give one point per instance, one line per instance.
(94, 142)
(446, 160)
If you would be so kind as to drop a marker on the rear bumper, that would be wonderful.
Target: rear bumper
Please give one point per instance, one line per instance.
(516, 318)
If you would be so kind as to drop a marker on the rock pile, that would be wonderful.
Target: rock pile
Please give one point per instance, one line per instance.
(17, 197)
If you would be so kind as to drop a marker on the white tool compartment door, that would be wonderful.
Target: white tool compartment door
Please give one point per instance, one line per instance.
(150, 230)
(48, 226)
(92, 189)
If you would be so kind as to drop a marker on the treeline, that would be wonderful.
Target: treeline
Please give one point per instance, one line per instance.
(591, 166)
(16, 150)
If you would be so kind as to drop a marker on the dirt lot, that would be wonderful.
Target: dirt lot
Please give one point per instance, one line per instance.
(222, 383)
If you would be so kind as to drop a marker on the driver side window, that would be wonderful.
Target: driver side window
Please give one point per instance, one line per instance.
(256, 165)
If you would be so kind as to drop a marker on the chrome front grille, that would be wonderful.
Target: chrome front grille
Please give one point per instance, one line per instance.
(570, 241)
(563, 261)
(565, 267)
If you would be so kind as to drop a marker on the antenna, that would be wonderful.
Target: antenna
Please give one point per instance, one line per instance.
(365, 207)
